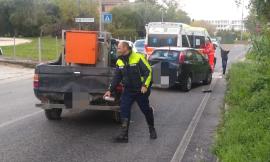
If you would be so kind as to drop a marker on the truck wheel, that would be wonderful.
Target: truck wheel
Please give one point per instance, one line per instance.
(187, 84)
(116, 116)
(208, 78)
(53, 114)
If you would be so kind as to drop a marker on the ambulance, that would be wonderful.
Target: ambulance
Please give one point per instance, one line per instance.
(173, 34)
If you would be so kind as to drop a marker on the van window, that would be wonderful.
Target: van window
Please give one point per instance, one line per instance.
(199, 41)
(190, 38)
(162, 40)
(196, 41)
(184, 41)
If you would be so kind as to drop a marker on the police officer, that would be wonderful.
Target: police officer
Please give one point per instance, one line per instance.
(135, 73)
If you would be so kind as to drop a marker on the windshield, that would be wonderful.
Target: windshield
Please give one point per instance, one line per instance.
(165, 55)
(139, 44)
(162, 40)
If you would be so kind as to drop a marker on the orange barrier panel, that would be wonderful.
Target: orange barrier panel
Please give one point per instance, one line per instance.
(81, 47)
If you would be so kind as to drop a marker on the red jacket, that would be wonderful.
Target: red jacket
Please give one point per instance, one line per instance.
(209, 50)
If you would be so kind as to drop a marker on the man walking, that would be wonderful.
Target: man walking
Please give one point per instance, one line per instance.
(135, 73)
(224, 57)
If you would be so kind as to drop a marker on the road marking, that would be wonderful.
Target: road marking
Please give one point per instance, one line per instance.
(217, 75)
(181, 149)
(17, 78)
(19, 119)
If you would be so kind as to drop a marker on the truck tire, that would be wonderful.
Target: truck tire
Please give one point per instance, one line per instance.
(53, 114)
(208, 78)
(116, 116)
(187, 84)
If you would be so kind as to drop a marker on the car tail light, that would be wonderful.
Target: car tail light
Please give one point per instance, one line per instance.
(145, 47)
(119, 88)
(36, 81)
(181, 57)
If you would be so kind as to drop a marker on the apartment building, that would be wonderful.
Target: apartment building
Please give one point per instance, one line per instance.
(236, 25)
(108, 5)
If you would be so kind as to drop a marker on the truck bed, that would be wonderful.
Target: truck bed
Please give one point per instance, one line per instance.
(72, 85)
(63, 79)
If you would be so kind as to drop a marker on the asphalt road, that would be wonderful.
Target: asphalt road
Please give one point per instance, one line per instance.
(183, 131)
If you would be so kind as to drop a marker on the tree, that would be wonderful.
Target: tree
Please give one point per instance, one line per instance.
(259, 15)
(143, 12)
(200, 23)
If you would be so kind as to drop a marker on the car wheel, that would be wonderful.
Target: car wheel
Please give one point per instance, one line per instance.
(187, 84)
(53, 114)
(208, 78)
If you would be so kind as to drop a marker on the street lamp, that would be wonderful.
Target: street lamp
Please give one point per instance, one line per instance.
(79, 7)
(242, 21)
(100, 15)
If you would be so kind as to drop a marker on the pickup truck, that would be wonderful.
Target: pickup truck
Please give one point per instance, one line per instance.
(60, 85)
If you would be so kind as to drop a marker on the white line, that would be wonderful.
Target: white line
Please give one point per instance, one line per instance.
(13, 79)
(181, 149)
(19, 119)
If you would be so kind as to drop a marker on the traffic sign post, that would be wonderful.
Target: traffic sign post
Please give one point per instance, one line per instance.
(84, 20)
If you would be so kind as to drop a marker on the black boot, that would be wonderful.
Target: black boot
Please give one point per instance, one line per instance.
(150, 121)
(123, 136)
(153, 133)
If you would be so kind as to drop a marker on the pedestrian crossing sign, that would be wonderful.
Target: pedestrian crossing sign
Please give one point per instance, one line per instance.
(107, 17)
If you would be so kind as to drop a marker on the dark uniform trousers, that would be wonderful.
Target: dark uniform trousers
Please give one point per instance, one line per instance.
(128, 98)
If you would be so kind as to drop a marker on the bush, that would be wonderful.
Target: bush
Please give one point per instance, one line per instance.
(244, 135)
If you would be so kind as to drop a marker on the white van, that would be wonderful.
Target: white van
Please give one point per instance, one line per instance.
(164, 34)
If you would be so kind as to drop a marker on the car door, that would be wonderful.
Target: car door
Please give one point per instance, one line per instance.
(192, 65)
(188, 65)
(202, 66)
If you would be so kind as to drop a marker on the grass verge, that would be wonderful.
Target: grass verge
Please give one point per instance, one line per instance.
(50, 49)
(244, 135)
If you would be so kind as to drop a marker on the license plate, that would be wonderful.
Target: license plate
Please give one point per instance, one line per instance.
(164, 80)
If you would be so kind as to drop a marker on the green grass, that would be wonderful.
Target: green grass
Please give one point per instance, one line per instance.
(244, 135)
(50, 49)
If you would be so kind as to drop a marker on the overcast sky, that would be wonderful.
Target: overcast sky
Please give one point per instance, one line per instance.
(212, 9)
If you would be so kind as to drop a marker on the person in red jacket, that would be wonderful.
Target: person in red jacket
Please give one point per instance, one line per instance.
(209, 50)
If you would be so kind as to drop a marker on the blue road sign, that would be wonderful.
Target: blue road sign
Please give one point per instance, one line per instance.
(107, 17)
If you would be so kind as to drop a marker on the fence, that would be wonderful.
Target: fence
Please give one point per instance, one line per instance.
(37, 49)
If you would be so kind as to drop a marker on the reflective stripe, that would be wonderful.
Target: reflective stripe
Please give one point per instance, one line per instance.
(142, 79)
(149, 78)
(134, 59)
(120, 63)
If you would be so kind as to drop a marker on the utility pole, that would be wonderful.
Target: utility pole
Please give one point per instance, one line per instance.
(79, 7)
(242, 21)
(162, 15)
(100, 16)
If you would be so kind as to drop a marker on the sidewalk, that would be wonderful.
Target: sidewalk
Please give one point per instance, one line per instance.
(17, 61)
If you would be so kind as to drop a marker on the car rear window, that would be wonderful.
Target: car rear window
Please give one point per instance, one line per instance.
(165, 55)
(139, 43)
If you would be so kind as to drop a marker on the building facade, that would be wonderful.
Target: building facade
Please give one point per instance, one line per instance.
(236, 25)
(108, 5)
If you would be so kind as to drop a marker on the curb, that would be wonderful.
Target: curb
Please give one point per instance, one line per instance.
(24, 63)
